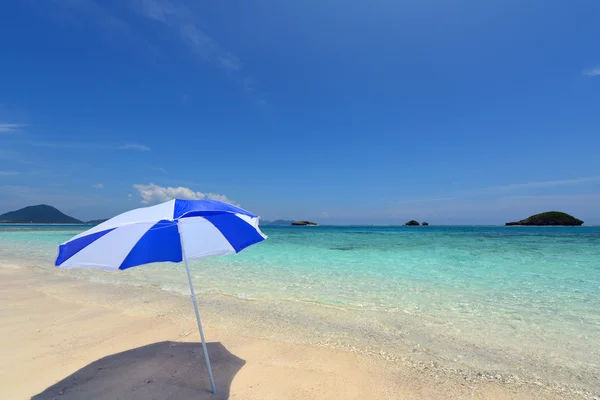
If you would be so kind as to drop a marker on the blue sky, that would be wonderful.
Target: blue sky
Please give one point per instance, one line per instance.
(343, 112)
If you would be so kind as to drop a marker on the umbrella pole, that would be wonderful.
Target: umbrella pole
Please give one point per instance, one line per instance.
(187, 269)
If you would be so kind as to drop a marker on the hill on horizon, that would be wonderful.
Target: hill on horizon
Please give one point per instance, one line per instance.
(96, 221)
(40, 214)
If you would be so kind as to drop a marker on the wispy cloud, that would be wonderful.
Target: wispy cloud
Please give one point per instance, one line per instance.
(134, 146)
(98, 186)
(153, 194)
(182, 18)
(16, 157)
(502, 190)
(8, 173)
(64, 145)
(10, 128)
(85, 145)
(206, 47)
(542, 184)
(592, 71)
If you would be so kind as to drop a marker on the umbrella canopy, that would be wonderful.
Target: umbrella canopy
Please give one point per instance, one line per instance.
(152, 234)
(174, 231)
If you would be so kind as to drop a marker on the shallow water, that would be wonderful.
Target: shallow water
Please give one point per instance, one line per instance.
(508, 299)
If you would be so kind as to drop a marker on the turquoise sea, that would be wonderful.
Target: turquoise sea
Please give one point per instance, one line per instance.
(522, 301)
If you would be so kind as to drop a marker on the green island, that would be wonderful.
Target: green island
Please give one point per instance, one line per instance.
(550, 218)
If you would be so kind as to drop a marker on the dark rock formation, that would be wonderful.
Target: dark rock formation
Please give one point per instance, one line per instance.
(550, 218)
(304, 223)
(40, 214)
(412, 222)
(425, 224)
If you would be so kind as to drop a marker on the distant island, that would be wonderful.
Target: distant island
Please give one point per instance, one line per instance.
(412, 222)
(550, 218)
(304, 223)
(277, 222)
(40, 214)
(285, 222)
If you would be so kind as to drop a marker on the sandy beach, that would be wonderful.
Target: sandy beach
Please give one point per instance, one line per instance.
(71, 339)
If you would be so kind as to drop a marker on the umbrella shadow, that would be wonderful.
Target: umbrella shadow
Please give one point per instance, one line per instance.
(163, 370)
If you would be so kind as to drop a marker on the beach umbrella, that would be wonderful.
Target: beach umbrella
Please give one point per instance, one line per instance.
(174, 231)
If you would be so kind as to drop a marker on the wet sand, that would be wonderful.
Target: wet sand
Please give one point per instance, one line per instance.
(70, 339)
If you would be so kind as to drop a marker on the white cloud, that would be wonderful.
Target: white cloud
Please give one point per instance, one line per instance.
(153, 194)
(98, 186)
(134, 146)
(10, 128)
(8, 173)
(592, 71)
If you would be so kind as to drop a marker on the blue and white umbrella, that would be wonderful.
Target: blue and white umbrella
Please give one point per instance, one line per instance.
(174, 231)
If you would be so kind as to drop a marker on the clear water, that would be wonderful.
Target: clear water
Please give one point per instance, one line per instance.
(526, 293)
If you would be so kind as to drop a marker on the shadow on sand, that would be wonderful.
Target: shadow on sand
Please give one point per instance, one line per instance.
(164, 370)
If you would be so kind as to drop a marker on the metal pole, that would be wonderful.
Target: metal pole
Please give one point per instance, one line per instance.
(187, 269)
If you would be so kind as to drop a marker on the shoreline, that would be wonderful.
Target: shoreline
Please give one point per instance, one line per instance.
(231, 320)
